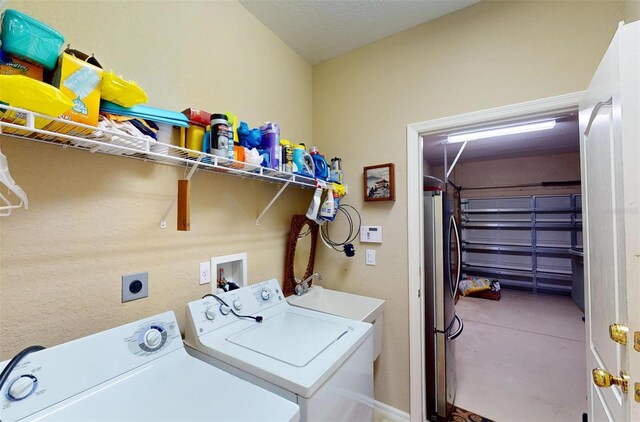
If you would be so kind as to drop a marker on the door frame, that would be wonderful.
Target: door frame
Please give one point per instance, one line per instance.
(415, 237)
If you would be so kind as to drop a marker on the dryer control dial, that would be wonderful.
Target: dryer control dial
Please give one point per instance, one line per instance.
(22, 387)
(224, 309)
(152, 338)
(265, 294)
(237, 304)
(209, 314)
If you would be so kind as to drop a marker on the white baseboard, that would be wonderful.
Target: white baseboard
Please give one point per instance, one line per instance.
(383, 411)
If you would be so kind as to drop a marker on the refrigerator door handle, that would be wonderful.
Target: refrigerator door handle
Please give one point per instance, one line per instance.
(455, 283)
(459, 330)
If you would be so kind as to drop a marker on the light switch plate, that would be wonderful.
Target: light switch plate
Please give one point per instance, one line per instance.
(205, 272)
(370, 257)
(135, 286)
(371, 234)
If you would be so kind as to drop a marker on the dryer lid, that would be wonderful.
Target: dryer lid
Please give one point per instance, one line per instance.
(290, 338)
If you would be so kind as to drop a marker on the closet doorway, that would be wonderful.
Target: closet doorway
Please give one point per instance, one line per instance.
(517, 200)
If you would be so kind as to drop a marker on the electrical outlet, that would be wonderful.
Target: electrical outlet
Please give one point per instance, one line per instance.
(370, 257)
(205, 273)
(135, 286)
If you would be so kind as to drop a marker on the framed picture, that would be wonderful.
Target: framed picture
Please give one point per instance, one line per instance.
(379, 183)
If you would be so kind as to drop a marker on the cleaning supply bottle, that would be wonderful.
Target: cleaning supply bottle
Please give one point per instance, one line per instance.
(302, 161)
(335, 175)
(286, 162)
(314, 206)
(232, 135)
(219, 135)
(270, 142)
(320, 166)
(206, 143)
(327, 211)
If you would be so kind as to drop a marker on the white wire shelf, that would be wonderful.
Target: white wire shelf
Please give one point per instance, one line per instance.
(24, 124)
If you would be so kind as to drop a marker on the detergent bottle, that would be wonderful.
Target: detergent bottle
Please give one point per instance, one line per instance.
(302, 162)
(320, 168)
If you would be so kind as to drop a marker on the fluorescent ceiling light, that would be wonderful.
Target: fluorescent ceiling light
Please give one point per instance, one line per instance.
(501, 131)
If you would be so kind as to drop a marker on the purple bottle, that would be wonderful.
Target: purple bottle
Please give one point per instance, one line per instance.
(270, 143)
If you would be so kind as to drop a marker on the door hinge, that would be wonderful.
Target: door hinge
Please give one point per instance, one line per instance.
(636, 390)
(418, 293)
(636, 341)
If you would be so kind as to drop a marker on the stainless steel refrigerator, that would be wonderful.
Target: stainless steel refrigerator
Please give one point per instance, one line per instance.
(442, 326)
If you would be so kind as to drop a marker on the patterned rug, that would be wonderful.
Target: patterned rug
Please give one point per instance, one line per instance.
(461, 415)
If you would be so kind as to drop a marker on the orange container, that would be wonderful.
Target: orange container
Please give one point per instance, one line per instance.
(238, 153)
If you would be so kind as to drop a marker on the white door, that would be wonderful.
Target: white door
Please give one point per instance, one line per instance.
(610, 156)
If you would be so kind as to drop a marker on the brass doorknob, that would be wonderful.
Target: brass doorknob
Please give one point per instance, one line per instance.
(618, 333)
(602, 379)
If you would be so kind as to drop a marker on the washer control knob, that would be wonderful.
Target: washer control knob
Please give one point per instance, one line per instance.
(22, 387)
(265, 294)
(152, 338)
(209, 314)
(224, 309)
(237, 304)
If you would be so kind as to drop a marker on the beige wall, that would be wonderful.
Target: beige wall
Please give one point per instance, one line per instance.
(517, 171)
(92, 218)
(632, 10)
(488, 55)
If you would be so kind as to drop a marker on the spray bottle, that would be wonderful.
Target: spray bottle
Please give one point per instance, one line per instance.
(314, 206)
(332, 203)
(328, 211)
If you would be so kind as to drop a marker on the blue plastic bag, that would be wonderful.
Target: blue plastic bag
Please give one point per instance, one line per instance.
(248, 138)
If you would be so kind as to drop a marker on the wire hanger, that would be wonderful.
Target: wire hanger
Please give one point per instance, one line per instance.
(7, 180)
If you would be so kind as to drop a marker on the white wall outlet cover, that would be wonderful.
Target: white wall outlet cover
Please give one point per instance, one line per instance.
(205, 272)
(370, 257)
(135, 286)
(371, 234)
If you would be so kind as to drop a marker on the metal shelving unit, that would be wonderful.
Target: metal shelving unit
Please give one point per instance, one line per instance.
(27, 125)
(522, 241)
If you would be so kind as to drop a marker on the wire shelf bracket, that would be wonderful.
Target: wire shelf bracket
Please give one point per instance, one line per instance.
(266, 209)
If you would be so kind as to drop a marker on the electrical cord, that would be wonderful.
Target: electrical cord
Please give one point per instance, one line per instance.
(256, 318)
(347, 245)
(4, 375)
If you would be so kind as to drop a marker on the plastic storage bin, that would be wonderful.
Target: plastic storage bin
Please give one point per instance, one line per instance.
(30, 39)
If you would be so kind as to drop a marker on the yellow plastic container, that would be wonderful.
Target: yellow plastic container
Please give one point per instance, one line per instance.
(23, 92)
(191, 138)
(122, 92)
(195, 134)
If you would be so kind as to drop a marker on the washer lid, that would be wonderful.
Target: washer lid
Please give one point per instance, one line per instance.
(290, 338)
(175, 387)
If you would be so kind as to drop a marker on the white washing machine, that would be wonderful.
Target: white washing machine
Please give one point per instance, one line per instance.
(136, 372)
(322, 362)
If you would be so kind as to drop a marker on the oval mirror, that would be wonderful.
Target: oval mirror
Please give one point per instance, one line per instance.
(301, 252)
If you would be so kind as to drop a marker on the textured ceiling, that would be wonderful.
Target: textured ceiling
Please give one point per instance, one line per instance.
(564, 137)
(322, 29)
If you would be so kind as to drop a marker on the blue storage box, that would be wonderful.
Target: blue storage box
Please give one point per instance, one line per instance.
(30, 39)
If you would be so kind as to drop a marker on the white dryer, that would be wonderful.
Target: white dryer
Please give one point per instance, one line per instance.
(322, 362)
(136, 372)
